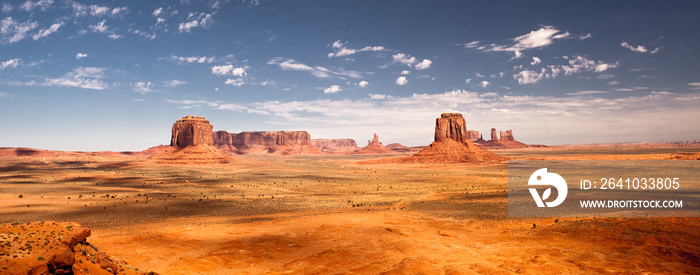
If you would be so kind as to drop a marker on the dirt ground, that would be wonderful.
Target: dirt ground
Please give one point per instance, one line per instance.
(330, 214)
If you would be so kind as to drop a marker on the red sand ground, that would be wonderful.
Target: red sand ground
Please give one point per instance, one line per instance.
(322, 214)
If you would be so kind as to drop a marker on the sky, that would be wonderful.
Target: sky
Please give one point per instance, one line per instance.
(114, 75)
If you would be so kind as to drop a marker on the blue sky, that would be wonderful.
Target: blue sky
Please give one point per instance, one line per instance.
(115, 75)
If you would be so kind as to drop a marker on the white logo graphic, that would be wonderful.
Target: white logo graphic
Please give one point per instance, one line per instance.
(541, 177)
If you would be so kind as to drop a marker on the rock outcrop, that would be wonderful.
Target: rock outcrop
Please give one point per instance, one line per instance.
(335, 145)
(191, 142)
(451, 126)
(191, 130)
(472, 135)
(55, 248)
(274, 142)
(374, 147)
(506, 141)
(451, 144)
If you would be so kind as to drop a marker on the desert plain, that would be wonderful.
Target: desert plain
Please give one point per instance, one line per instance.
(329, 214)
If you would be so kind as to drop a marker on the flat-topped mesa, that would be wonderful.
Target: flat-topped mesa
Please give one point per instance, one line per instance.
(451, 126)
(494, 136)
(335, 145)
(279, 142)
(507, 135)
(191, 130)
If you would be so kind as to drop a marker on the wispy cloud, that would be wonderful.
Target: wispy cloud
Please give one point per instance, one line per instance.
(192, 59)
(317, 71)
(694, 85)
(12, 31)
(174, 83)
(575, 65)
(12, 63)
(342, 50)
(543, 37)
(143, 87)
(42, 4)
(638, 48)
(81, 77)
(586, 93)
(195, 20)
(46, 32)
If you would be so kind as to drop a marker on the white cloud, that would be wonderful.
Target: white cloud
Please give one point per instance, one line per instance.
(484, 83)
(102, 27)
(91, 72)
(12, 63)
(543, 37)
(404, 59)
(80, 55)
(639, 48)
(694, 85)
(13, 31)
(201, 20)
(472, 44)
(401, 80)
(43, 4)
(332, 89)
(317, 71)
(46, 32)
(535, 61)
(143, 87)
(192, 59)
(229, 69)
(363, 84)
(157, 11)
(377, 96)
(424, 64)
(624, 90)
(582, 37)
(81, 77)
(174, 83)
(238, 82)
(468, 80)
(614, 82)
(341, 50)
(405, 72)
(116, 11)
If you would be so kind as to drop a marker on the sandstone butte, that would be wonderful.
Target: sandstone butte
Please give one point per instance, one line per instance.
(191, 142)
(54, 248)
(374, 147)
(506, 141)
(452, 144)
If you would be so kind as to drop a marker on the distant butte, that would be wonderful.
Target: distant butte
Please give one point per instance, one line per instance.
(452, 145)
(374, 147)
(191, 143)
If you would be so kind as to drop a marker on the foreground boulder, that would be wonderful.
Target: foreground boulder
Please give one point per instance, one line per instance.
(54, 248)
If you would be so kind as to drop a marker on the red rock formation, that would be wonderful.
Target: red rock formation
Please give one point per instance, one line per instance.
(278, 142)
(450, 144)
(472, 135)
(191, 143)
(507, 136)
(374, 148)
(450, 125)
(191, 130)
(63, 249)
(506, 141)
(335, 145)
(398, 147)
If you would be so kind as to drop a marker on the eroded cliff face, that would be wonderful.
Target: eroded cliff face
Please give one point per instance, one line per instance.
(452, 126)
(280, 142)
(335, 145)
(191, 130)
